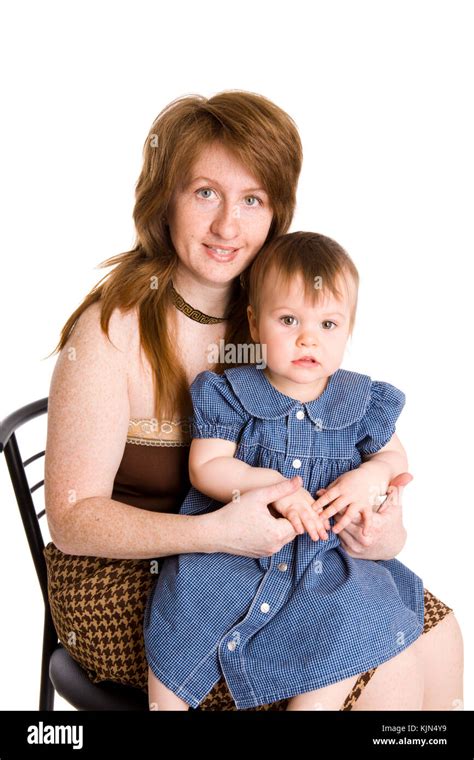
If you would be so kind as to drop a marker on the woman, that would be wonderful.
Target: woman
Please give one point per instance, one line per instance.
(118, 422)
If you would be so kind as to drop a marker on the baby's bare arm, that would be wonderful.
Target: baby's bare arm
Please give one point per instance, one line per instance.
(214, 471)
(387, 463)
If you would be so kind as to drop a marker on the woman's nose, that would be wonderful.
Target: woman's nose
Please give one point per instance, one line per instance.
(225, 223)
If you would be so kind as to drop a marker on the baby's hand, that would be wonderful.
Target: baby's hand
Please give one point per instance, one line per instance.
(299, 509)
(353, 492)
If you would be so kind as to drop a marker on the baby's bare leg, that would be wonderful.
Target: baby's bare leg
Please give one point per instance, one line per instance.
(442, 656)
(397, 684)
(428, 675)
(160, 697)
(327, 698)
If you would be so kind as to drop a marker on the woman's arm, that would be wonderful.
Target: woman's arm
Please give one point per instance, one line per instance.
(88, 419)
(105, 528)
(88, 415)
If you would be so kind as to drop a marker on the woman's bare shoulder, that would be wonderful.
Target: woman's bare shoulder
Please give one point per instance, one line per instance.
(122, 329)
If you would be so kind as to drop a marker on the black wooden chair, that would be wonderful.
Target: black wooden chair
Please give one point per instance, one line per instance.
(59, 672)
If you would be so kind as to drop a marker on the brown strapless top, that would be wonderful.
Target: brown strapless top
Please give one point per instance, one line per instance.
(153, 473)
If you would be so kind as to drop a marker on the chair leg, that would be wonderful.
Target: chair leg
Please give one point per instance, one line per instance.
(50, 641)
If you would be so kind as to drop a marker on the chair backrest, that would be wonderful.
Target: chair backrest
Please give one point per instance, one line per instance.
(21, 487)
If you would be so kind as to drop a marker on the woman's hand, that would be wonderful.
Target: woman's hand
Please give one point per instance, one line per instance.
(387, 535)
(245, 527)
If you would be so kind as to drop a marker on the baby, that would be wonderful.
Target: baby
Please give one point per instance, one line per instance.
(307, 621)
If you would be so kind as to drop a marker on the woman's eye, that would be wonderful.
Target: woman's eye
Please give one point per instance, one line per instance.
(288, 316)
(328, 322)
(254, 198)
(205, 190)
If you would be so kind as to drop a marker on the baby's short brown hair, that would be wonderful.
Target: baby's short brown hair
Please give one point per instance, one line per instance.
(321, 262)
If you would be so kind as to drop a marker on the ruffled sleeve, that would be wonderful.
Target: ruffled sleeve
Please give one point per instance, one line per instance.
(377, 426)
(217, 412)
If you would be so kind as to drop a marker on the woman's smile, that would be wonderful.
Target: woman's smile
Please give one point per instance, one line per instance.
(223, 254)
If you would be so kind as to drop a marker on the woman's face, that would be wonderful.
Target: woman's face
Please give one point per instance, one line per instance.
(220, 219)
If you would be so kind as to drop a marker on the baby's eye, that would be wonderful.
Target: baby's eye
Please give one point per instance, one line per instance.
(288, 316)
(328, 322)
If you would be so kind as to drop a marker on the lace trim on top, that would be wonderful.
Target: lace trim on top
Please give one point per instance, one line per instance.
(154, 432)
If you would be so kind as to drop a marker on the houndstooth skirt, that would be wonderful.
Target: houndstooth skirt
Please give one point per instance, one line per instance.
(98, 606)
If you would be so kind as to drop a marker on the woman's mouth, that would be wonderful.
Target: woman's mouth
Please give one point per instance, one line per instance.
(221, 254)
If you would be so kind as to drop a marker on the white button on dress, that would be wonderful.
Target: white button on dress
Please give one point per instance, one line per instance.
(282, 566)
(296, 463)
(231, 645)
(300, 414)
(265, 607)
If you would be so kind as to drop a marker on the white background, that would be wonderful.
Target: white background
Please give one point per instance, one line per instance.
(382, 95)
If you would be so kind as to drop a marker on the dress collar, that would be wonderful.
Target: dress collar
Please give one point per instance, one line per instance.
(343, 401)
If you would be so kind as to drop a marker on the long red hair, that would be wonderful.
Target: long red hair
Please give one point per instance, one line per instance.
(266, 141)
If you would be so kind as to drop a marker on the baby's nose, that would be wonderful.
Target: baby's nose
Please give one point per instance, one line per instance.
(307, 339)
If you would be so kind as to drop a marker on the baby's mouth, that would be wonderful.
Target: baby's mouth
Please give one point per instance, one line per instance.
(310, 360)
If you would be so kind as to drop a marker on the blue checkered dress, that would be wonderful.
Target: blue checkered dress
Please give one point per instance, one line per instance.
(309, 615)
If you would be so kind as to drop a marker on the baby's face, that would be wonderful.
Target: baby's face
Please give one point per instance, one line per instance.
(292, 328)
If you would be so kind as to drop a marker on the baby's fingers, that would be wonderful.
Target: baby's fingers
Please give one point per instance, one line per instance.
(314, 525)
(324, 520)
(333, 508)
(343, 521)
(294, 518)
(326, 496)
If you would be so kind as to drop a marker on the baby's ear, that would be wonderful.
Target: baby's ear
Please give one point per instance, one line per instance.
(252, 324)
